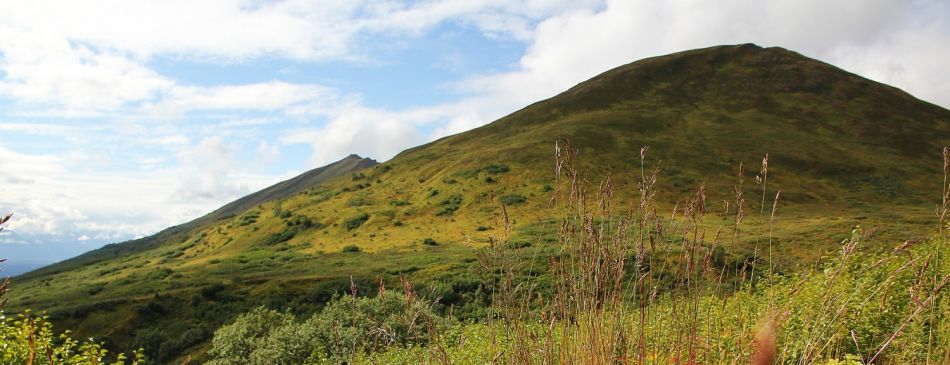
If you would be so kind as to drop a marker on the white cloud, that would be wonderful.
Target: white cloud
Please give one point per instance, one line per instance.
(59, 198)
(44, 68)
(91, 57)
(37, 128)
(892, 41)
(273, 95)
(888, 41)
(205, 168)
(356, 129)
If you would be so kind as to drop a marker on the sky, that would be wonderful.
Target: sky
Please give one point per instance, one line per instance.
(121, 118)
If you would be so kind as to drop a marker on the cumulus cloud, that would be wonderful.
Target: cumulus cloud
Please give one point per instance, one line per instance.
(356, 129)
(93, 57)
(45, 68)
(891, 41)
(274, 95)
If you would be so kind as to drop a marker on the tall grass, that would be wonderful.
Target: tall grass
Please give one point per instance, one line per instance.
(633, 286)
(5, 283)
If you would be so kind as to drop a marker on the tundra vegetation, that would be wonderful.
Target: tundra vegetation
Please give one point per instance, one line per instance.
(628, 284)
(487, 232)
(632, 285)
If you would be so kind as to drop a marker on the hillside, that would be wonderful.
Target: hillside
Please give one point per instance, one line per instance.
(842, 149)
(279, 190)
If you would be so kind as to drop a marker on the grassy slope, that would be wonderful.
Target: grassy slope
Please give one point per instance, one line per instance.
(280, 190)
(844, 150)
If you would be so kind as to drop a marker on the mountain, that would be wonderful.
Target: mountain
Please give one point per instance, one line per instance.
(843, 150)
(279, 190)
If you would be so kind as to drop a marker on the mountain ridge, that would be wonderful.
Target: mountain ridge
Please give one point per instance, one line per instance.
(282, 189)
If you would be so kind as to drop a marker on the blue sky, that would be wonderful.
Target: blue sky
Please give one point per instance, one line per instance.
(120, 118)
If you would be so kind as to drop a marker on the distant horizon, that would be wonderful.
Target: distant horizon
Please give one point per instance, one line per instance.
(119, 122)
(14, 268)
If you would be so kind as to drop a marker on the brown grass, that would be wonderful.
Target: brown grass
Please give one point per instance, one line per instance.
(616, 264)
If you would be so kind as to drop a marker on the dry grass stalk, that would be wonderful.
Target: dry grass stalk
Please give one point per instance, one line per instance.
(943, 209)
(764, 344)
(5, 284)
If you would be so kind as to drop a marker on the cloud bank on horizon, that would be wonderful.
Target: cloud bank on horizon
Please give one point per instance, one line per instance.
(120, 118)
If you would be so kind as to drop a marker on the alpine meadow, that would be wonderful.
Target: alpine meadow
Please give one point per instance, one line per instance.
(735, 204)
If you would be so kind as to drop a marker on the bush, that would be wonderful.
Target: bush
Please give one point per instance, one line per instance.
(449, 205)
(512, 199)
(346, 325)
(249, 218)
(246, 338)
(303, 222)
(355, 222)
(96, 289)
(275, 238)
(213, 291)
(428, 241)
(351, 248)
(358, 202)
(25, 336)
(496, 169)
(514, 245)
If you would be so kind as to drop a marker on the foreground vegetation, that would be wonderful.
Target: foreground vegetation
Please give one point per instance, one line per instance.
(29, 339)
(630, 286)
(622, 283)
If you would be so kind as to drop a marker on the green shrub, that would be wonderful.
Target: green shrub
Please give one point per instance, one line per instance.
(249, 218)
(355, 222)
(303, 222)
(496, 169)
(516, 244)
(351, 248)
(159, 274)
(25, 336)
(249, 337)
(512, 199)
(213, 291)
(428, 241)
(449, 205)
(346, 325)
(358, 202)
(95, 289)
(275, 238)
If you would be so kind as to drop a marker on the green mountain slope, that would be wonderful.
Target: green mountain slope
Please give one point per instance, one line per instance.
(280, 190)
(842, 149)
